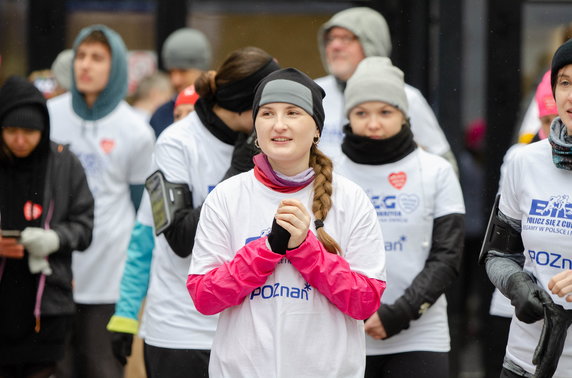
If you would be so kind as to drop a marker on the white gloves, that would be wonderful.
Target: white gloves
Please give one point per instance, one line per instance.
(39, 243)
(39, 265)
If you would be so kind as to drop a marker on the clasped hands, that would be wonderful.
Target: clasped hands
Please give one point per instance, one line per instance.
(290, 226)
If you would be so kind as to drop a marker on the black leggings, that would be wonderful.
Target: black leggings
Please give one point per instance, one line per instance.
(176, 363)
(408, 365)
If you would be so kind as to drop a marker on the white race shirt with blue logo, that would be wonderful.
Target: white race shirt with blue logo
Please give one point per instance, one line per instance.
(186, 152)
(538, 194)
(286, 328)
(408, 195)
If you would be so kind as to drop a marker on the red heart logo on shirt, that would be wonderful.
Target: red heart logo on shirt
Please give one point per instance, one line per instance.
(32, 211)
(397, 180)
(107, 145)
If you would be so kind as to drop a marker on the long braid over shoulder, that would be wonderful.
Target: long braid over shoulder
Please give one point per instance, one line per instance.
(322, 202)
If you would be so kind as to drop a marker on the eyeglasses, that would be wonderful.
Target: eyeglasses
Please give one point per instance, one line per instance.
(344, 39)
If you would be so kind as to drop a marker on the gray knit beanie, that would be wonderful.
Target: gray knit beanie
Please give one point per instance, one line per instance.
(186, 48)
(294, 87)
(376, 79)
(62, 68)
(367, 24)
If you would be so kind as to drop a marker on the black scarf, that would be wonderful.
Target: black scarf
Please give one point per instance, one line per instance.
(364, 150)
(561, 144)
(214, 124)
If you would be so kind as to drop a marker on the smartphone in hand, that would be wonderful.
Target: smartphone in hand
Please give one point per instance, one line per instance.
(9, 246)
(10, 233)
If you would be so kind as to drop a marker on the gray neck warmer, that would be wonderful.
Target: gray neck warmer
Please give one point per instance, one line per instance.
(561, 144)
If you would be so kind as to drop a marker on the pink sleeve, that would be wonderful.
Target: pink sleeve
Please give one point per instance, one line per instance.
(228, 284)
(353, 293)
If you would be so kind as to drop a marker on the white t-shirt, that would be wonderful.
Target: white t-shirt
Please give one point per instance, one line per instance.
(426, 129)
(115, 151)
(540, 196)
(408, 195)
(287, 328)
(186, 152)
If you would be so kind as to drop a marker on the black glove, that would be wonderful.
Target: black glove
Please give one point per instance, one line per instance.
(526, 297)
(395, 317)
(121, 346)
(554, 331)
(244, 151)
(278, 238)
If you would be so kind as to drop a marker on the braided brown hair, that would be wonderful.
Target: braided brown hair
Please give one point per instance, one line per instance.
(322, 202)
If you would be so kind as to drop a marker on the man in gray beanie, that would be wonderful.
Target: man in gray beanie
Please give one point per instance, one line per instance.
(344, 41)
(186, 53)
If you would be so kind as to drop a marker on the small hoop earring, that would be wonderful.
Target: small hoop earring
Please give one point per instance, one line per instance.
(256, 143)
(316, 140)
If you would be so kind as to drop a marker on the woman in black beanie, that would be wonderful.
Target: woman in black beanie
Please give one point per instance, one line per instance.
(290, 254)
(534, 214)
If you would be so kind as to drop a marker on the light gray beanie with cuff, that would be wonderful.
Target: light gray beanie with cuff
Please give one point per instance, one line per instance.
(186, 48)
(376, 79)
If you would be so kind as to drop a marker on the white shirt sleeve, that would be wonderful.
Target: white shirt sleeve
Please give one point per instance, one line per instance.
(141, 156)
(448, 195)
(171, 159)
(509, 185)
(212, 240)
(365, 249)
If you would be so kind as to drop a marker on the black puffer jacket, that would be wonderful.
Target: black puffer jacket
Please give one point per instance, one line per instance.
(68, 206)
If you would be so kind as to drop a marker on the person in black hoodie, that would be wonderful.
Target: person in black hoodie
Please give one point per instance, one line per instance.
(46, 208)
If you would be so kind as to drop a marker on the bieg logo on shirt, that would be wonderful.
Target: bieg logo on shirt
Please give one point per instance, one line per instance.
(556, 207)
(553, 216)
(394, 205)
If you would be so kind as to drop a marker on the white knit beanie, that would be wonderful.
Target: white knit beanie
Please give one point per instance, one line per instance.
(376, 79)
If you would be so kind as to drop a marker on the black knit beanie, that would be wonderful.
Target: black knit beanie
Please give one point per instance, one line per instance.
(561, 58)
(25, 117)
(294, 87)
